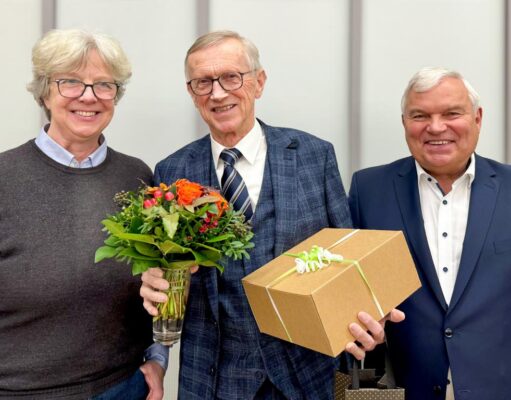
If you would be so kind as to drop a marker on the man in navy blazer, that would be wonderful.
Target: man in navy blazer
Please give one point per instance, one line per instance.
(454, 208)
(295, 190)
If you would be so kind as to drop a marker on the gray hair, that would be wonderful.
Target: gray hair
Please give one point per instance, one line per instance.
(216, 37)
(66, 50)
(429, 77)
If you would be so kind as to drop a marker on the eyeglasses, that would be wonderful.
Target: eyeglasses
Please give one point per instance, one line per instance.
(228, 81)
(73, 88)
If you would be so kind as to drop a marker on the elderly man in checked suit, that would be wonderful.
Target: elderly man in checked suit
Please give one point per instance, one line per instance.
(290, 188)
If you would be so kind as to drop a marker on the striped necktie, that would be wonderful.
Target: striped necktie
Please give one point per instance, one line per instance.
(233, 187)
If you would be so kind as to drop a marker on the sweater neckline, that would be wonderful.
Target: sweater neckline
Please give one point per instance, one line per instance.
(70, 170)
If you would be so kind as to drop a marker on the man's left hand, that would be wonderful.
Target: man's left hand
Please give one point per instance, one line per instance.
(373, 333)
(153, 374)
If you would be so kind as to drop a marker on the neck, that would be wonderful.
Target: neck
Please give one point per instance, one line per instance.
(228, 139)
(231, 139)
(445, 181)
(79, 150)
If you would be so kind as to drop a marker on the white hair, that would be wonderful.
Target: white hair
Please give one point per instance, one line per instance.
(429, 77)
(216, 37)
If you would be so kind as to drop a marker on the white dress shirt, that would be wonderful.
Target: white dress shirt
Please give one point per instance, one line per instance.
(251, 165)
(445, 221)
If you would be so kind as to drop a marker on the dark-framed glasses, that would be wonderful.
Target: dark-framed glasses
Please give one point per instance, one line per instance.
(228, 81)
(73, 88)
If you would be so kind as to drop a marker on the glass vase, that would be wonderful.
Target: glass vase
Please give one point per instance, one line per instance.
(169, 322)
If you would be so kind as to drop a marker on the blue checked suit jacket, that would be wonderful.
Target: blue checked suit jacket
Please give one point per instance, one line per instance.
(478, 348)
(308, 196)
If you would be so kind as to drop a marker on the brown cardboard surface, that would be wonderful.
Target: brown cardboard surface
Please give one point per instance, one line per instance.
(314, 309)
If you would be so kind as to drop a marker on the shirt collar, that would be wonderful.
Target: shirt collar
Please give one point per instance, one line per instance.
(248, 146)
(470, 172)
(59, 154)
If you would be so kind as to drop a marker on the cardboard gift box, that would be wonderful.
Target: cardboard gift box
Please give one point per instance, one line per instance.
(314, 309)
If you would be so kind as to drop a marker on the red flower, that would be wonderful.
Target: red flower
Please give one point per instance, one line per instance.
(169, 196)
(148, 203)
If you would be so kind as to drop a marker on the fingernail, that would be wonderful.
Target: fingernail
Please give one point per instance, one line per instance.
(363, 317)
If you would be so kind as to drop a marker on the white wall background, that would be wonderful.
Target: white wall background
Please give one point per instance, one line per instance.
(401, 36)
(20, 27)
(304, 47)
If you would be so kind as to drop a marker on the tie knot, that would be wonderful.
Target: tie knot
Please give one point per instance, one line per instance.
(230, 156)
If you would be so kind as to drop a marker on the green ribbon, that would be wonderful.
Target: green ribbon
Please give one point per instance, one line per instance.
(315, 258)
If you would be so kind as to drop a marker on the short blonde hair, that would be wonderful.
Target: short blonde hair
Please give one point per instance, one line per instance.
(66, 50)
(216, 37)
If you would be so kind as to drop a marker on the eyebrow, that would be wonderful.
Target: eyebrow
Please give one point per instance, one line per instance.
(74, 75)
(422, 111)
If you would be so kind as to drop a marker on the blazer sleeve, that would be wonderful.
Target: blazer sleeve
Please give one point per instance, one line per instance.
(336, 200)
(353, 201)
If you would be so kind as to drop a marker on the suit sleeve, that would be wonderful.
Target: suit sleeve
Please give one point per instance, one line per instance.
(353, 201)
(336, 200)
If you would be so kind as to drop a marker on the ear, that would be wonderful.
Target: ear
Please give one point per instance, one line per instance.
(192, 95)
(260, 81)
(479, 117)
(44, 100)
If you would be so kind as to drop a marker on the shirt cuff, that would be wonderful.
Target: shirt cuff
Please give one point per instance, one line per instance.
(159, 354)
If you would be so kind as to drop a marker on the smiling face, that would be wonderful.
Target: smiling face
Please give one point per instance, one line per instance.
(79, 122)
(442, 128)
(229, 115)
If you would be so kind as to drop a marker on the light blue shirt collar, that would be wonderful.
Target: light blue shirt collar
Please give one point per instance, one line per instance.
(59, 154)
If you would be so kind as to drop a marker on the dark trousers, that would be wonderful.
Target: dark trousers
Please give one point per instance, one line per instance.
(133, 388)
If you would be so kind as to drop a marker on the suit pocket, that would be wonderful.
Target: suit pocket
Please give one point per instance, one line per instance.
(502, 246)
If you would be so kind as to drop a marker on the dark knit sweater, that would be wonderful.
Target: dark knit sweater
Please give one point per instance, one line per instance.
(69, 328)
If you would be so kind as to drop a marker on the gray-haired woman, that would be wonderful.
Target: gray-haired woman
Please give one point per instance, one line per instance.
(68, 328)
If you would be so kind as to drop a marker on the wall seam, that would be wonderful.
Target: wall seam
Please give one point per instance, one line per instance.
(354, 91)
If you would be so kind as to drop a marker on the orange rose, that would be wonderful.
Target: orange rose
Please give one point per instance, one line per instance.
(221, 203)
(187, 191)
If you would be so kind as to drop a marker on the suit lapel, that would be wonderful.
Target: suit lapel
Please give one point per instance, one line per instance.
(199, 168)
(407, 194)
(483, 198)
(281, 157)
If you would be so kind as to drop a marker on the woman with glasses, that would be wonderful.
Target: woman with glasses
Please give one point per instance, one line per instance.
(69, 328)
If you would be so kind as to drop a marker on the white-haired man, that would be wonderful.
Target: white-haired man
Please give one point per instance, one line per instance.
(453, 207)
(294, 190)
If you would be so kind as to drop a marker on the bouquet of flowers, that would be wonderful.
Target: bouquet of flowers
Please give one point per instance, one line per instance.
(174, 227)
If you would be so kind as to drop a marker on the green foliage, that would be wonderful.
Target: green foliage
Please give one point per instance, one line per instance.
(171, 235)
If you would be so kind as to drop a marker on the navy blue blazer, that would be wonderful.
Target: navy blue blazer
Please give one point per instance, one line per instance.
(308, 196)
(471, 335)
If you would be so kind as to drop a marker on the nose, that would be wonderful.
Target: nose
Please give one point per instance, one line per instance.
(88, 95)
(436, 125)
(218, 91)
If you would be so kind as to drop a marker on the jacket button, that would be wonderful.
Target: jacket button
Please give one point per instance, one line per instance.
(259, 375)
(437, 389)
(448, 333)
(212, 371)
